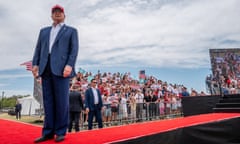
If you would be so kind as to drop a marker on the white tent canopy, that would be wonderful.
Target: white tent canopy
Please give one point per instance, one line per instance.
(29, 106)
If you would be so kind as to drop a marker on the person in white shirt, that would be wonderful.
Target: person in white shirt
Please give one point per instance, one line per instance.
(139, 108)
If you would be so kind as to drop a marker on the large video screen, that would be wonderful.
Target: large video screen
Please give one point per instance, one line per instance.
(225, 63)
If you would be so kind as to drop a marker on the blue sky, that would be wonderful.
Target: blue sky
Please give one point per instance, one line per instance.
(168, 38)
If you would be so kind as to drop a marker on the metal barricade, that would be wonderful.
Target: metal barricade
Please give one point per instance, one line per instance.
(128, 113)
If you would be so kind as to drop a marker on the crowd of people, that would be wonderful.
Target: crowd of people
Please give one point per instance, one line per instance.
(128, 100)
(226, 73)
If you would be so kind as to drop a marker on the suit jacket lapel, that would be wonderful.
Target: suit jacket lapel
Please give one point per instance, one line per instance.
(48, 36)
(60, 33)
(91, 94)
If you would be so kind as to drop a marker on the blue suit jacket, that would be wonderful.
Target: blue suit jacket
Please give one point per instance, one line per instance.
(89, 99)
(64, 50)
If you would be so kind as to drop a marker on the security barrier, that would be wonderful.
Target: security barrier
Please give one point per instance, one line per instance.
(140, 112)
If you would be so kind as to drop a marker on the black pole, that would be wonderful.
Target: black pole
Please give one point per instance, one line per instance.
(1, 104)
(2, 100)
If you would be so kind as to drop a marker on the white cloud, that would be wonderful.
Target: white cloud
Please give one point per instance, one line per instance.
(157, 33)
(143, 30)
(184, 32)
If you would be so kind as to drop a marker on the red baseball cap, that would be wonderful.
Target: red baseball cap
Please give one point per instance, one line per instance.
(57, 7)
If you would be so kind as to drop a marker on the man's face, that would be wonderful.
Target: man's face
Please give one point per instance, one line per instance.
(58, 16)
(94, 83)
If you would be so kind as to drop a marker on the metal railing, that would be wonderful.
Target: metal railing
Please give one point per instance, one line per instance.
(140, 112)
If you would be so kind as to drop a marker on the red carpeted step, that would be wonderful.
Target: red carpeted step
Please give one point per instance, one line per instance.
(14, 132)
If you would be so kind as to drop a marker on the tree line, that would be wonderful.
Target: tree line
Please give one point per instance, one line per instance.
(10, 102)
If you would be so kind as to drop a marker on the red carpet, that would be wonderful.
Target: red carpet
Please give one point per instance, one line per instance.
(14, 132)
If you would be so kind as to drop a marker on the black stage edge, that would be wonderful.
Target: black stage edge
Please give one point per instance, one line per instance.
(220, 132)
(194, 105)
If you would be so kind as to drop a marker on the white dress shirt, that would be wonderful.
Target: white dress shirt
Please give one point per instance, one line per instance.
(53, 35)
(95, 94)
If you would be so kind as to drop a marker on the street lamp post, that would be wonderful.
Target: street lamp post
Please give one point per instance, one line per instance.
(2, 100)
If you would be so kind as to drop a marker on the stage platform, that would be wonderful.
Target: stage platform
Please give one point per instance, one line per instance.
(214, 128)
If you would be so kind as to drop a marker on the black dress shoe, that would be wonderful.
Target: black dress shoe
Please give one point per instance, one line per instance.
(42, 139)
(59, 138)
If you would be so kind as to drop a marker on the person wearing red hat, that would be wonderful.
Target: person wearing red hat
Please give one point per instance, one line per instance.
(54, 61)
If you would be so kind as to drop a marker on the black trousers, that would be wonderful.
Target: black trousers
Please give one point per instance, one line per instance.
(74, 118)
(18, 114)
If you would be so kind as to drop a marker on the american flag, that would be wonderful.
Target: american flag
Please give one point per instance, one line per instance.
(28, 65)
(142, 74)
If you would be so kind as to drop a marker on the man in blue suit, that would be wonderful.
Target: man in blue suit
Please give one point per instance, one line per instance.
(93, 104)
(54, 61)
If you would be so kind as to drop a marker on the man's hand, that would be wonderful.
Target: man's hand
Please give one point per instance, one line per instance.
(67, 71)
(35, 71)
(87, 110)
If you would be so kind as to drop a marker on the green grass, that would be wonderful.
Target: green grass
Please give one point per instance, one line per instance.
(27, 119)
